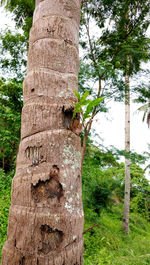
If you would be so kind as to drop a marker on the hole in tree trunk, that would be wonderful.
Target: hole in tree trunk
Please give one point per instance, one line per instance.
(71, 123)
(32, 89)
(51, 239)
(50, 189)
(68, 114)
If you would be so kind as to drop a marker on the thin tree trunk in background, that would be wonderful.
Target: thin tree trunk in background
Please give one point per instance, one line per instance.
(46, 215)
(125, 224)
(85, 137)
(88, 126)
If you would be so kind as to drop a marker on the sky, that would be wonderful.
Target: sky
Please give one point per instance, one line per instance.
(110, 126)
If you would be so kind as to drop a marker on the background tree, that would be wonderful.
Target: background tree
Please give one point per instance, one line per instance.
(10, 118)
(97, 74)
(126, 45)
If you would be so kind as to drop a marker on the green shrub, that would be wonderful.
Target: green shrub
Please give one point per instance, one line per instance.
(140, 204)
(5, 191)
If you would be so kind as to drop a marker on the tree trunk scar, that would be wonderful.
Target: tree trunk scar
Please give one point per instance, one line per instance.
(34, 153)
(51, 239)
(50, 189)
(71, 123)
(51, 32)
(67, 41)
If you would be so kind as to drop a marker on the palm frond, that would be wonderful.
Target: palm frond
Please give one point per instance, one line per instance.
(4, 2)
(148, 119)
(146, 109)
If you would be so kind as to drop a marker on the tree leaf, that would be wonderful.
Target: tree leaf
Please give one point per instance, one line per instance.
(77, 94)
(84, 96)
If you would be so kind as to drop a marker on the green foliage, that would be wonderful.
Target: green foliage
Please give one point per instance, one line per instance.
(146, 109)
(23, 13)
(103, 181)
(82, 102)
(143, 90)
(107, 244)
(90, 106)
(86, 76)
(5, 189)
(13, 54)
(123, 37)
(98, 184)
(140, 204)
(10, 119)
(126, 42)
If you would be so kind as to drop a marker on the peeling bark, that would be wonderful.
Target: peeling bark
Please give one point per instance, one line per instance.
(50, 190)
(46, 216)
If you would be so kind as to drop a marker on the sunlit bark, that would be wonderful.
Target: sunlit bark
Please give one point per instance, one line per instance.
(46, 216)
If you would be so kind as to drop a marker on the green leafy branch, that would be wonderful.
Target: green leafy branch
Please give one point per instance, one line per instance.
(85, 106)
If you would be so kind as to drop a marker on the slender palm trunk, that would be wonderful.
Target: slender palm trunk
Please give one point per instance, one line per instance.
(125, 224)
(46, 216)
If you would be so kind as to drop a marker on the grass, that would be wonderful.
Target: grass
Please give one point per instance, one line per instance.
(107, 243)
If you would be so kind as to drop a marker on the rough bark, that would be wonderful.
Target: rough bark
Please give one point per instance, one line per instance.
(46, 215)
(125, 224)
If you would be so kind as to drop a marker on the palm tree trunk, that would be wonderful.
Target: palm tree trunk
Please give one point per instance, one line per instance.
(125, 224)
(46, 215)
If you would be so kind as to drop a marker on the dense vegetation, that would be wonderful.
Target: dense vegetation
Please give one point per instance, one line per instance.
(103, 188)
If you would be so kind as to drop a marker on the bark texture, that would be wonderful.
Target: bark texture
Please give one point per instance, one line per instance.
(126, 211)
(46, 215)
